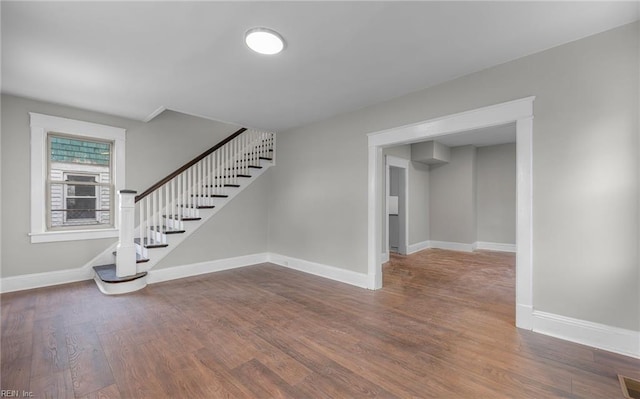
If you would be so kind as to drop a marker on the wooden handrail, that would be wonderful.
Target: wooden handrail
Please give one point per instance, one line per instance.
(189, 164)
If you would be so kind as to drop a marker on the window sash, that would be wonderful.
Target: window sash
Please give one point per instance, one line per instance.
(96, 220)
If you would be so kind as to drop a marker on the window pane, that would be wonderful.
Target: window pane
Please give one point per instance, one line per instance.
(81, 208)
(72, 150)
(81, 191)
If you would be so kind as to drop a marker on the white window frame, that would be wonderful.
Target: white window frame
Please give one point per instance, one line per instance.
(41, 125)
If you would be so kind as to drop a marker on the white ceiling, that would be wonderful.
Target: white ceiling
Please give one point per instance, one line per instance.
(131, 59)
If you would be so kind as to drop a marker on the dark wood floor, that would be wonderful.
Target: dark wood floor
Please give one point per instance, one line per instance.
(442, 327)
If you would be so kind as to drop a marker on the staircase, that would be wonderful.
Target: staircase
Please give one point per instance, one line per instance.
(156, 221)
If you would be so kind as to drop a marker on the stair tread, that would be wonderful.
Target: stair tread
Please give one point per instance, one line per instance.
(248, 166)
(107, 273)
(199, 206)
(166, 230)
(210, 196)
(150, 243)
(232, 176)
(184, 218)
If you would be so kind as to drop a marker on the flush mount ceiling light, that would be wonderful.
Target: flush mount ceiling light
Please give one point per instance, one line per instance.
(264, 41)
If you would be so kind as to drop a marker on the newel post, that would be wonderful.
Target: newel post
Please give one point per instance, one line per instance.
(126, 251)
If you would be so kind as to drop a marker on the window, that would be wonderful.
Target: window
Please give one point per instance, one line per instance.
(76, 169)
(80, 185)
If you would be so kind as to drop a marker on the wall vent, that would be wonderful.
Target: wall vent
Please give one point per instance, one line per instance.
(630, 387)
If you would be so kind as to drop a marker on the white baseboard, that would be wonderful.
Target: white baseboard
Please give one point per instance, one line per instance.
(194, 269)
(452, 246)
(524, 316)
(38, 280)
(417, 247)
(495, 246)
(458, 246)
(613, 339)
(318, 269)
(384, 258)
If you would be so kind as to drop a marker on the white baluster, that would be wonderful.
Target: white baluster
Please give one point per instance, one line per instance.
(147, 234)
(141, 213)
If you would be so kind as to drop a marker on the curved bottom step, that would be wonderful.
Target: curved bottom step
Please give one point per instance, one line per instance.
(110, 284)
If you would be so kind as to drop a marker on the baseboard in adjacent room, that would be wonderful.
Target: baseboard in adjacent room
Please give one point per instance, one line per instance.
(417, 247)
(495, 246)
(452, 246)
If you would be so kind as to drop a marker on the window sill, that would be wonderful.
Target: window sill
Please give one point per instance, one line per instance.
(73, 235)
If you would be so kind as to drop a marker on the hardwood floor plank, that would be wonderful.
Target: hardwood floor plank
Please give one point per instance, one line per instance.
(15, 375)
(49, 347)
(110, 392)
(54, 386)
(131, 371)
(224, 383)
(263, 382)
(90, 370)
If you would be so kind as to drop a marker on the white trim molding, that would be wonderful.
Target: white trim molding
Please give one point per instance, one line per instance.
(417, 247)
(518, 111)
(457, 246)
(321, 270)
(46, 279)
(384, 258)
(195, 269)
(41, 125)
(452, 246)
(495, 246)
(72, 235)
(601, 336)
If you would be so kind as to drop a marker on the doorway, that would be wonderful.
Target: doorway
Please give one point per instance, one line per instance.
(396, 210)
(518, 111)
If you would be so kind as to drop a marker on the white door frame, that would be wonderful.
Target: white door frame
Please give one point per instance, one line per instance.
(518, 111)
(403, 247)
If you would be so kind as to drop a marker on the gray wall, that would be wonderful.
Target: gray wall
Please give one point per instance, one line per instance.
(419, 217)
(153, 150)
(240, 228)
(496, 193)
(585, 173)
(394, 190)
(452, 197)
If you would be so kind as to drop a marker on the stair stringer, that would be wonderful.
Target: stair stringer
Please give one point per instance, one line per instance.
(157, 254)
